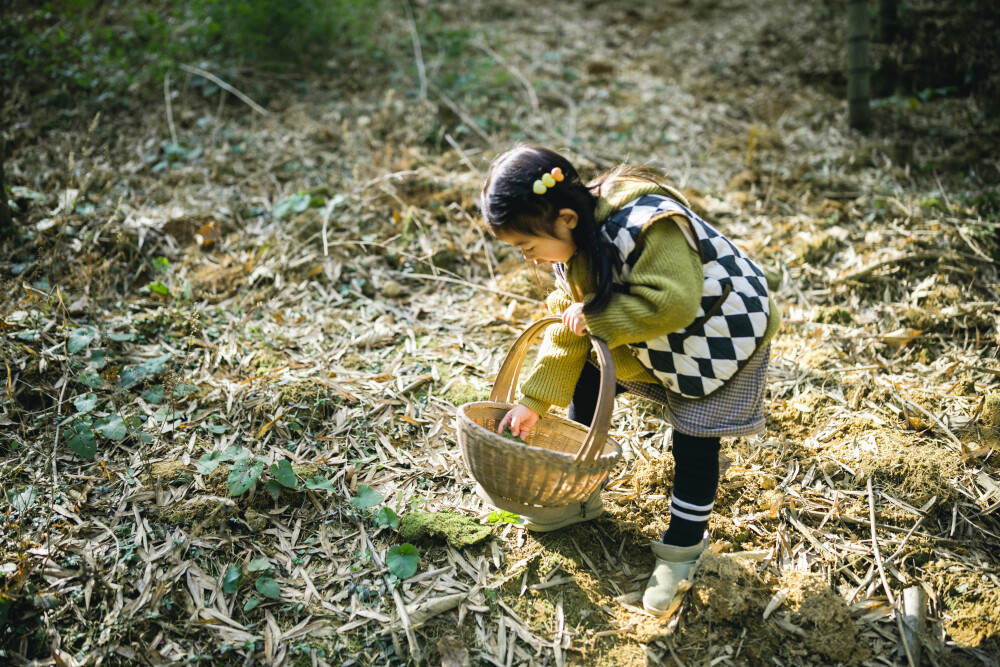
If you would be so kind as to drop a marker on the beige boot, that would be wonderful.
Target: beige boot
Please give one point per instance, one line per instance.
(544, 519)
(553, 518)
(673, 564)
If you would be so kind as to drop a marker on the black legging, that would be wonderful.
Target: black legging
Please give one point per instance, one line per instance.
(581, 408)
(696, 466)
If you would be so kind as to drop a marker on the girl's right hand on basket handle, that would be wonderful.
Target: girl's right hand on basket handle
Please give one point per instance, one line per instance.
(574, 320)
(520, 419)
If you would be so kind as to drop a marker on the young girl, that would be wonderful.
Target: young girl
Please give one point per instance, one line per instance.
(685, 313)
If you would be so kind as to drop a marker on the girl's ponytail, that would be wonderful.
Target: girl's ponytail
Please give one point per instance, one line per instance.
(598, 258)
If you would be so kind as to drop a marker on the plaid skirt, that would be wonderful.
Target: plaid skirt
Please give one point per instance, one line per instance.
(734, 409)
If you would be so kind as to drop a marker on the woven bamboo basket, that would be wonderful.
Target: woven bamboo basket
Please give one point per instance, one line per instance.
(560, 463)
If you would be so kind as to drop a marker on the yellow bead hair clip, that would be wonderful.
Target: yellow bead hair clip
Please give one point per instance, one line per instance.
(547, 181)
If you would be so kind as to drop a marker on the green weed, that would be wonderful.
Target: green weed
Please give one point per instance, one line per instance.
(115, 52)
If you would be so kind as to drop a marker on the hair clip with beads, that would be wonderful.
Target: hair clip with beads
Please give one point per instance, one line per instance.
(548, 180)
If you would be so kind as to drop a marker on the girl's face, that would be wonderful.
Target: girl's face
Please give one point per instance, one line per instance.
(558, 248)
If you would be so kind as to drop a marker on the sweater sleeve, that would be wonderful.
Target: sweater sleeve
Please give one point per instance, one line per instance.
(664, 290)
(558, 364)
(558, 301)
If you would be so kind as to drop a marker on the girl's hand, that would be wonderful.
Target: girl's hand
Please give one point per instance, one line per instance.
(573, 318)
(520, 419)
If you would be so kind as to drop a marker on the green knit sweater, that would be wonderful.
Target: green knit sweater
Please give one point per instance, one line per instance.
(665, 288)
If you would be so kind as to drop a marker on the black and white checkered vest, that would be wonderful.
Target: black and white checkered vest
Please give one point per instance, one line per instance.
(733, 315)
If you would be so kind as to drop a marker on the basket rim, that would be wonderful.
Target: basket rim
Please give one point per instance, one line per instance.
(497, 441)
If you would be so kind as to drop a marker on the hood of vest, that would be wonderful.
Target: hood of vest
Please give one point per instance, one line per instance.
(616, 192)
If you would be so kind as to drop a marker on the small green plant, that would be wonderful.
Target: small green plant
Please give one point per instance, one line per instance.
(503, 516)
(387, 518)
(22, 500)
(509, 435)
(364, 557)
(264, 582)
(133, 375)
(80, 338)
(207, 464)
(319, 483)
(247, 470)
(296, 203)
(82, 428)
(160, 266)
(244, 474)
(232, 580)
(367, 498)
(171, 155)
(402, 560)
(81, 437)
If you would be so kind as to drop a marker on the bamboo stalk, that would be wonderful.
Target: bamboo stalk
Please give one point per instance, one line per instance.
(858, 65)
(914, 617)
(5, 218)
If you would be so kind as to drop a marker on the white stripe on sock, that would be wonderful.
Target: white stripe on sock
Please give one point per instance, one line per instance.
(674, 500)
(690, 517)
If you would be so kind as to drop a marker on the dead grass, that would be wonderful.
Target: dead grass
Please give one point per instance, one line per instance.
(347, 353)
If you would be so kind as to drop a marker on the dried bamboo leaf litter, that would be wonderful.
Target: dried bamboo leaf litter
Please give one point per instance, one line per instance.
(342, 340)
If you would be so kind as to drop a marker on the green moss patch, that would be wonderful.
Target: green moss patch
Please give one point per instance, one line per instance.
(458, 529)
(827, 315)
(170, 472)
(991, 410)
(463, 392)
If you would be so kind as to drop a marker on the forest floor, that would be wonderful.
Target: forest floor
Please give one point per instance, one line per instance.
(202, 293)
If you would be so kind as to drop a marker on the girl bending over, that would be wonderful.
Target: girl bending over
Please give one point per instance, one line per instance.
(685, 313)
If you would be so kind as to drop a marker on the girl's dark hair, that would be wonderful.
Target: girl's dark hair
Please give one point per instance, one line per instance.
(509, 205)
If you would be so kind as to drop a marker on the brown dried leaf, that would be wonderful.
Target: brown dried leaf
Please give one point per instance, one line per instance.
(453, 653)
(900, 337)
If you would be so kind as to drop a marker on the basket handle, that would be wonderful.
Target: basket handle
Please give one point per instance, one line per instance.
(505, 384)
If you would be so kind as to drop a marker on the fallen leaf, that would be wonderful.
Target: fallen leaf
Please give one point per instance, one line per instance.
(453, 653)
(208, 234)
(900, 337)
